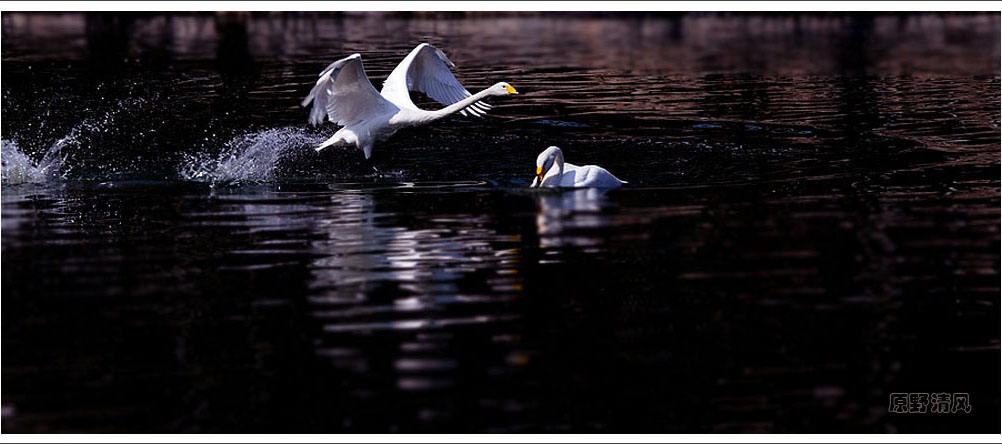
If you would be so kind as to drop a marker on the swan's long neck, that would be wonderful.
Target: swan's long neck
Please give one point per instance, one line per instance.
(558, 161)
(459, 106)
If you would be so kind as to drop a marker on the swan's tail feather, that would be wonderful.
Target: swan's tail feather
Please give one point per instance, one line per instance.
(336, 138)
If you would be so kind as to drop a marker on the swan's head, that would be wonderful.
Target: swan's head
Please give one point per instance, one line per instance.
(503, 89)
(546, 160)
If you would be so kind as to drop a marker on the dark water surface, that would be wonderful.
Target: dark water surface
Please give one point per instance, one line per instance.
(811, 224)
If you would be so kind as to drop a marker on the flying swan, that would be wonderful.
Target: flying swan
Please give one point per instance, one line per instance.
(551, 171)
(345, 95)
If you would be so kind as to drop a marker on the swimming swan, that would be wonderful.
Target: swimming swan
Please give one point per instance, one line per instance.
(345, 95)
(568, 175)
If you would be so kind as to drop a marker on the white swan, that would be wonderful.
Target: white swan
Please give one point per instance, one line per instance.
(568, 175)
(345, 95)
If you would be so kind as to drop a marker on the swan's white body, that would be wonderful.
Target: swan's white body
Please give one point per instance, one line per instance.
(551, 171)
(345, 95)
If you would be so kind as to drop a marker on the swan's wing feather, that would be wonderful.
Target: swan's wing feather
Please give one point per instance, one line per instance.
(345, 95)
(597, 177)
(425, 69)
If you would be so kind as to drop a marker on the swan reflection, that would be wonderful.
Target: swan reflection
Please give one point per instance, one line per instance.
(563, 218)
(415, 284)
(366, 255)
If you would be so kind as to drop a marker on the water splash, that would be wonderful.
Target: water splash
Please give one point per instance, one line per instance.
(16, 167)
(254, 157)
(99, 129)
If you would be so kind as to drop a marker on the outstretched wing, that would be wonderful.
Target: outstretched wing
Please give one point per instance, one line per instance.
(426, 69)
(345, 95)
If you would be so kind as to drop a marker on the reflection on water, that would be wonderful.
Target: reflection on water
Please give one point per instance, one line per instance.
(562, 212)
(363, 250)
(811, 224)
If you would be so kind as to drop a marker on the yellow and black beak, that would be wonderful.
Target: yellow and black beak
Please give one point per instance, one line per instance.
(539, 173)
(511, 89)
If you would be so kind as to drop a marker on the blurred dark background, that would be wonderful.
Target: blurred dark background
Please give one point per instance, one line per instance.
(780, 43)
